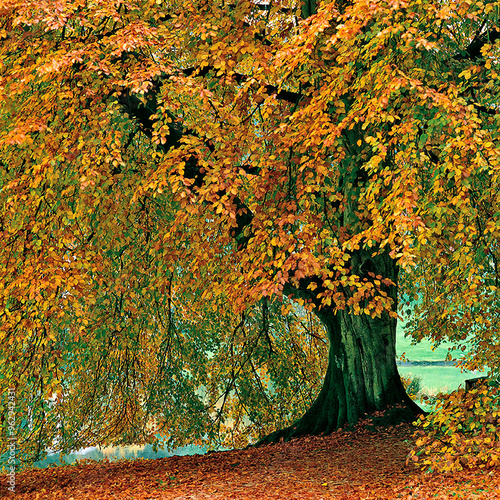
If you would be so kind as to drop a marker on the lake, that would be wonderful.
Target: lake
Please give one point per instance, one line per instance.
(430, 366)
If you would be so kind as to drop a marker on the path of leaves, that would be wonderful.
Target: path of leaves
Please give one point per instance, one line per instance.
(345, 465)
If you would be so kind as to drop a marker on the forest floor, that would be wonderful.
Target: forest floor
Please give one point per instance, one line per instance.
(361, 464)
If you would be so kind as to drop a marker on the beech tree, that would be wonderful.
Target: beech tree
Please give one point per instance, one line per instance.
(178, 177)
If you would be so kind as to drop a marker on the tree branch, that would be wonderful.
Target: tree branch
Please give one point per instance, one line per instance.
(281, 95)
(473, 51)
(143, 111)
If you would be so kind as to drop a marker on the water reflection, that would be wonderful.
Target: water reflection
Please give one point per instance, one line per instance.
(117, 453)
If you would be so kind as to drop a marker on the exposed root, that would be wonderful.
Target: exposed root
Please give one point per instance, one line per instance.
(392, 416)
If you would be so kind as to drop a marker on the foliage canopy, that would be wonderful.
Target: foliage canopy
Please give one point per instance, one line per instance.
(169, 169)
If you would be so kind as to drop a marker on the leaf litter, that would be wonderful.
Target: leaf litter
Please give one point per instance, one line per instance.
(360, 464)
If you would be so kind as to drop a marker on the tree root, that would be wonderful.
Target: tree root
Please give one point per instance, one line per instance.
(392, 416)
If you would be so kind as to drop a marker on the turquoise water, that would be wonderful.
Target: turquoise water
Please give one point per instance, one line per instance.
(116, 453)
(423, 351)
(430, 366)
(435, 377)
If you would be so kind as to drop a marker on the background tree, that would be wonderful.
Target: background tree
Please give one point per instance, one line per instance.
(158, 152)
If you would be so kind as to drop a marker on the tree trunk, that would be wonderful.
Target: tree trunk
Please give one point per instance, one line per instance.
(362, 377)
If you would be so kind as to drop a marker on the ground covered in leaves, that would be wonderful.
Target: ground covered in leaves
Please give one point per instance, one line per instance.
(364, 464)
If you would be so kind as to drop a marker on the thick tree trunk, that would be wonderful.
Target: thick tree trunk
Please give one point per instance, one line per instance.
(362, 377)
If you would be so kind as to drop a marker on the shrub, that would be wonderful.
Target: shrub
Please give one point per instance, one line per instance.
(412, 385)
(463, 431)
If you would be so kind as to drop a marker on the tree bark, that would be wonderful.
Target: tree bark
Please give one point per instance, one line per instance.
(362, 377)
